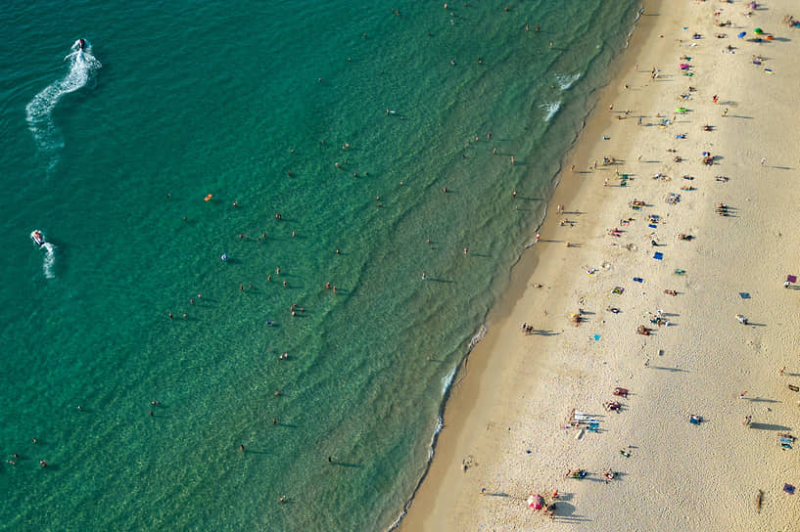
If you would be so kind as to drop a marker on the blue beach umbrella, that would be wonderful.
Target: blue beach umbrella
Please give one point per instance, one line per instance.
(741, 35)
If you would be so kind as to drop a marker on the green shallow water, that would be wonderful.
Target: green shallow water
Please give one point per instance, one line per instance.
(225, 100)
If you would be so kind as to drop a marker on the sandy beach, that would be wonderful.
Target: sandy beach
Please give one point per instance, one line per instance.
(672, 229)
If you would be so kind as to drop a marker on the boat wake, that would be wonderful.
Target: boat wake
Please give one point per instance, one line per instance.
(82, 68)
(49, 260)
(49, 252)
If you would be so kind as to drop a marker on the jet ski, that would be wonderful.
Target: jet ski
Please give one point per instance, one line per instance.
(38, 238)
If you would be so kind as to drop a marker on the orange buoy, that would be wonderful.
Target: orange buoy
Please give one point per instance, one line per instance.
(208, 198)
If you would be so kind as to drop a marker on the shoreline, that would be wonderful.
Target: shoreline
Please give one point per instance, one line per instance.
(464, 391)
(488, 423)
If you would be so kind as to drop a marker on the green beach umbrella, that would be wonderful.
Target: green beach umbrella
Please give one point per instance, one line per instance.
(758, 31)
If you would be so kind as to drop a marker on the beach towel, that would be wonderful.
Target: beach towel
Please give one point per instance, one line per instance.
(658, 255)
(638, 279)
(744, 295)
(791, 278)
(618, 290)
(652, 226)
(788, 488)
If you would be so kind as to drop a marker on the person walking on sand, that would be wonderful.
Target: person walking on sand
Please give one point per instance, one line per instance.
(763, 161)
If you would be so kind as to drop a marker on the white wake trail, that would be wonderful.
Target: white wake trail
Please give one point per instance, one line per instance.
(82, 67)
(49, 260)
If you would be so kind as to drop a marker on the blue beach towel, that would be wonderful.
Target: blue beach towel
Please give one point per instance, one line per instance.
(744, 295)
(652, 226)
(638, 279)
(658, 255)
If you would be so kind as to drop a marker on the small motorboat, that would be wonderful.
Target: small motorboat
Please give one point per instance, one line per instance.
(38, 238)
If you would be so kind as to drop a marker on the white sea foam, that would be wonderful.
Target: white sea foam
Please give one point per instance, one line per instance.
(49, 260)
(551, 108)
(82, 67)
(565, 81)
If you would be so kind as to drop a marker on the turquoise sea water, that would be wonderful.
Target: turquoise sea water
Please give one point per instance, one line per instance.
(107, 151)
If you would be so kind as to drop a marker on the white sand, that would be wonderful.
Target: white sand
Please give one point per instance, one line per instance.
(506, 418)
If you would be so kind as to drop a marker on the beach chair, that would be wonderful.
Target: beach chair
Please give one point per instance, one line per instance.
(580, 417)
(594, 425)
(694, 419)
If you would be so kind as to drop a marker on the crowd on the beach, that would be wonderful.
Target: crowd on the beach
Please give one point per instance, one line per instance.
(640, 226)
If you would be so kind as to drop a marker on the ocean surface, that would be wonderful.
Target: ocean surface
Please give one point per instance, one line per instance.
(176, 137)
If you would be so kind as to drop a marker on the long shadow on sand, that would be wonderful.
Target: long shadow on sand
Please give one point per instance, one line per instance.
(566, 512)
(769, 426)
(673, 370)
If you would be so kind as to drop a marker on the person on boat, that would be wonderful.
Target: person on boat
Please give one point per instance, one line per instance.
(81, 44)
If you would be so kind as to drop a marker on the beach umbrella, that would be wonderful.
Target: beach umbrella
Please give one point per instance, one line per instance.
(758, 31)
(536, 502)
(741, 35)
